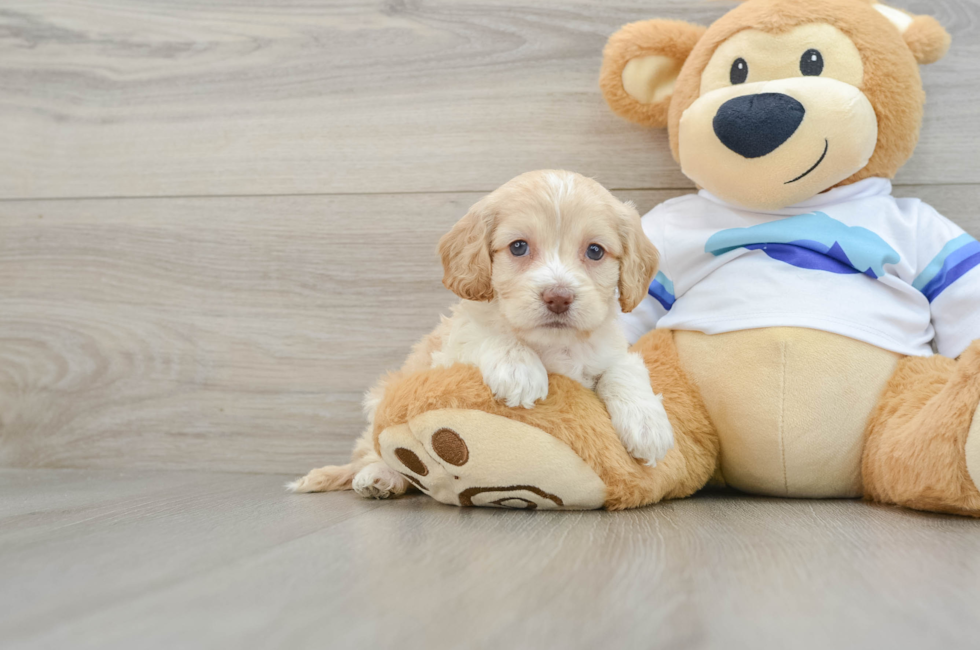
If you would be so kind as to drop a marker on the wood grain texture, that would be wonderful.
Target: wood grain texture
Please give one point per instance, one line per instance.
(229, 334)
(232, 333)
(233, 97)
(165, 560)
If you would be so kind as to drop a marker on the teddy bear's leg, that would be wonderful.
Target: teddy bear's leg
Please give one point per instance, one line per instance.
(443, 430)
(922, 445)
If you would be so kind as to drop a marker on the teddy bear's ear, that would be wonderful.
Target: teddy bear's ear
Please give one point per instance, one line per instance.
(640, 66)
(924, 35)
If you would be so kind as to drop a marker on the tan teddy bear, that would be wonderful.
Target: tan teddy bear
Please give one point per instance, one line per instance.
(806, 296)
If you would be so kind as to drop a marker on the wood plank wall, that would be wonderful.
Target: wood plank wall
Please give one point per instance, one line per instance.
(218, 217)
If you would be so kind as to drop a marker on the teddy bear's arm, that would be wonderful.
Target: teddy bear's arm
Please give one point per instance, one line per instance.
(948, 275)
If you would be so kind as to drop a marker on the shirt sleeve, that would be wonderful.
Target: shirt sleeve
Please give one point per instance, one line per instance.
(660, 294)
(948, 275)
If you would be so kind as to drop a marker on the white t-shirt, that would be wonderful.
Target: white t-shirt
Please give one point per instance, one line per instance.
(853, 261)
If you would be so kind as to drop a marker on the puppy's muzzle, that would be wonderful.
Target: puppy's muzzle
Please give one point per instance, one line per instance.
(557, 300)
(755, 125)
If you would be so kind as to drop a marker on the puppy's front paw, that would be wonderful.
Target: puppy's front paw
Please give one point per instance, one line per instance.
(518, 384)
(643, 427)
(378, 481)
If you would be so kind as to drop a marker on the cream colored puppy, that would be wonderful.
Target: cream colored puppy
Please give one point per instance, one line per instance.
(543, 265)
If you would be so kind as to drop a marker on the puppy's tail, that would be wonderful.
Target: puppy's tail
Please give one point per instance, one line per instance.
(332, 478)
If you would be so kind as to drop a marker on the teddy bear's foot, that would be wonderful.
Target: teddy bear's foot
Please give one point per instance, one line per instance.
(923, 444)
(445, 433)
(473, 458)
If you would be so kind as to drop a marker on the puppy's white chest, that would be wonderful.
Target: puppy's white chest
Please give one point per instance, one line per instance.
(571, 361)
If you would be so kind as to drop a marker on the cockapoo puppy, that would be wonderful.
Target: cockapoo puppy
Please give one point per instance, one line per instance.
(543, 266)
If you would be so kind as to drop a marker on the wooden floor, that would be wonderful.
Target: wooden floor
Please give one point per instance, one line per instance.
(126, 559)
(217, 228)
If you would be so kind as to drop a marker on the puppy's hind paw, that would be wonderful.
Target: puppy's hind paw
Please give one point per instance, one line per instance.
(378, 481)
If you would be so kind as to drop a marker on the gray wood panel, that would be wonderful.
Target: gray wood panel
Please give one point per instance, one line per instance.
(191, 560)
(235, 97)
(223, 333)
(231, 333)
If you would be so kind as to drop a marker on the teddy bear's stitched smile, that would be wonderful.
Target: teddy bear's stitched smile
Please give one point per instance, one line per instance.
(826, 146)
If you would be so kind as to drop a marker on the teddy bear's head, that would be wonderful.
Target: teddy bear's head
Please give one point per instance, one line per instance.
(778, 100)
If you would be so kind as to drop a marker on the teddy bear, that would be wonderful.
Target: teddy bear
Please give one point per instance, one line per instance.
(791, 326)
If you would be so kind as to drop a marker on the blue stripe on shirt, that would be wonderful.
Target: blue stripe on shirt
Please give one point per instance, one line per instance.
(955, 259)
(663, 290)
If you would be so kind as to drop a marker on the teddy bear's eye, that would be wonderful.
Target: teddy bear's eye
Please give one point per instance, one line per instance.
(740, 71)
(811, 63)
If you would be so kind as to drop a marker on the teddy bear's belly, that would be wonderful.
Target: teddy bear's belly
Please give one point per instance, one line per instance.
(790, 406)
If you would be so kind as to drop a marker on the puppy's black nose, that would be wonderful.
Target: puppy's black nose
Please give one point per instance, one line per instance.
(558, 300)
(755, 125)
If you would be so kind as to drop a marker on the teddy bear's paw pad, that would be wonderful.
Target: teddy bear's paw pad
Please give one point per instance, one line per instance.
(474, 458)
(402, 452)
(973, 449)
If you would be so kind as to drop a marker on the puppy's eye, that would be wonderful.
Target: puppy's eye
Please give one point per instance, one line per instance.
(594, 252)
(811, 63)
(740, 71)
(518, 248)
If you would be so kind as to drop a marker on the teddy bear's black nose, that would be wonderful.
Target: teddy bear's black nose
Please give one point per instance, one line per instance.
(755, 125)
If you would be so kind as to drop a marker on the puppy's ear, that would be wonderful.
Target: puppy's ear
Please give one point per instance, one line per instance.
(924, 35)
(639, 262)
(640, 66)
(465, 252)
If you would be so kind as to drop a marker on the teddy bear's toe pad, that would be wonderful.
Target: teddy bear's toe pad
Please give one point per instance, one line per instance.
(469, 457)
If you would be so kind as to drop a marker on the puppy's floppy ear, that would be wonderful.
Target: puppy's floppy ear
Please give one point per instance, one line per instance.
(639, 262)
(640, 66)
(465, 252)
(924, 35)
